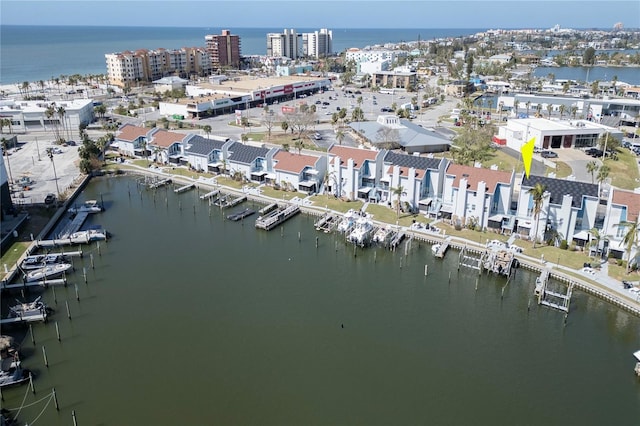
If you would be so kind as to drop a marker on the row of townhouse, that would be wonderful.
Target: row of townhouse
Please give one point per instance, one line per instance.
(482, 198)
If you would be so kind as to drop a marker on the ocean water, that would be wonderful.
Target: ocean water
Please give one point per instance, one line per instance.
(33, 53)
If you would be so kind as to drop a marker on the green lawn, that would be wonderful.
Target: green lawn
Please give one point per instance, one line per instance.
(278, 194)
(11, 256)
(620, 273)
(562, 170)
(336, 204)
(388, 215)
(624, 171)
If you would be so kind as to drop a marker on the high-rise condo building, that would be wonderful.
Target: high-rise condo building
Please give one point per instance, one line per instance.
(224, 50)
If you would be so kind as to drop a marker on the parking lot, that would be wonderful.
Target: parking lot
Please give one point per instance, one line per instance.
(31, 163)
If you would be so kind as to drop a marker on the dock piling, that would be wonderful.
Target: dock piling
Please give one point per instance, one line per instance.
(316, 242)
(68, 311)
(91, 258)
(426, 269)
(55, 299)
(33, 389)
(84, 274)
(57, 331)
(73, 416)
(33, 339)
(44, 355)
(77, 294)
(55, 399)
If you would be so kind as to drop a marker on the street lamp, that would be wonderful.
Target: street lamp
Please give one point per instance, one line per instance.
(55, 175)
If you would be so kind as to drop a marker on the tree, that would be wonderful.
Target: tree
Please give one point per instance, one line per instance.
(340, 136)
(592, 168)
(61, 114)
(537, 192)
(285, 126)
(268, 121)
(244, 138)
(607, 142)
(528, 105)
(207, 130)
(549, 109)
(630, 238)
(299, 145)
(100, 110)
(589, 56)
(562, 108)
(387, 138)
(603, 173)
(574, 111)
(516, 103)
(398, 192)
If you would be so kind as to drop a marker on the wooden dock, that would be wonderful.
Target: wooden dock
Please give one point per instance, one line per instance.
(43, 283)
(277, 217)
(224, 202)
(75, 224)
(210, 194)
(326, 223)
(18, 320)
(159, 183)
(184, 188)
(442, 250)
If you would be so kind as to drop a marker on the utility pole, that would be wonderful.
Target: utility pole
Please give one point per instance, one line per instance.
(55, 175)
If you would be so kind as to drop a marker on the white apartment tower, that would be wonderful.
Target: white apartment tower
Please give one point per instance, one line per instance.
(287, 44)
(318, 44)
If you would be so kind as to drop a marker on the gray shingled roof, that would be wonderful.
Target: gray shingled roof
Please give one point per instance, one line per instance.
(202, 146)
(411, 135)
(245, 154)
(405, 160)
(558, 188)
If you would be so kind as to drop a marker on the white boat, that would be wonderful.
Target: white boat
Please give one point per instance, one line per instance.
(362, 231)
(49, 271)
(435, 248)
(40, 260)
(14, 376)
(86, 236)
(381, 235)
(89, 206)
(349, 220)
(29, 311)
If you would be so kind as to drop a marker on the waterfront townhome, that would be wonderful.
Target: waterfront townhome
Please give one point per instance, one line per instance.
(204, 154)
(352, 173)
(477, 197)
(132, 140)
(298, 172)
(553, 134)
(569, 210)
(417, 180)
(622, 206)
(166, 147)
(248, 162)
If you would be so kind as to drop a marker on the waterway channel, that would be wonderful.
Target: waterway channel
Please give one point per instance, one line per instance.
(188, 318)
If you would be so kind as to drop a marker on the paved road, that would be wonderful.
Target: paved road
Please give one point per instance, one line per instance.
(577, 160)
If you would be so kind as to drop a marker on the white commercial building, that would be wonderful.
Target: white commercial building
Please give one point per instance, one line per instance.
(553, 134)
(65, 116)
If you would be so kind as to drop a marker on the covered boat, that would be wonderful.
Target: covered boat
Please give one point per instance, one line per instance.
(49, 271)
(40, 260)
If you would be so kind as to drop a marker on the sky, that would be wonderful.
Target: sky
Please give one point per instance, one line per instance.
(330, 14)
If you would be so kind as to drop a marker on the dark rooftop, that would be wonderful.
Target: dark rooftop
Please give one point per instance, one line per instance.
(245, 154)
(404, 160)
(558, 188)
(202, 146)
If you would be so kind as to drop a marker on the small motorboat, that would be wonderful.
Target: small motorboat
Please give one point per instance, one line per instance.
(14, 376)
(30, 311)
(86, 236)
(40, 260)
(241, 214)
(435, 248)
(89, 206)
(49, 271)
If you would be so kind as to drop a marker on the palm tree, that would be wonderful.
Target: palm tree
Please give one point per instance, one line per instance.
(574, 111)
(630, 238)
(603, 173)
(592, 167)
(340, 136)
(516, 104)
(61, 113)
(549, 109)
(398, 192)
(537, 193)
(207, 129)
(285, 126)
(562, 109)
(528, 105)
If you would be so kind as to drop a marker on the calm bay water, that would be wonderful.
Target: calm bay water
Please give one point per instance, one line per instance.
(191, 319)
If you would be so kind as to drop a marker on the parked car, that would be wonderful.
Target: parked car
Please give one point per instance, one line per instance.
(317, 136)
(50, 198)
(548, 154)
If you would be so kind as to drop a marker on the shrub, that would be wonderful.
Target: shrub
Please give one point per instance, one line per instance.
(564, 245)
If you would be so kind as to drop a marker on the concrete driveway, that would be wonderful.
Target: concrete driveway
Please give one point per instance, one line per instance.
(577, 160)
